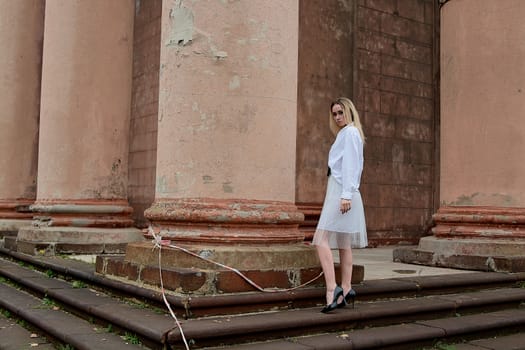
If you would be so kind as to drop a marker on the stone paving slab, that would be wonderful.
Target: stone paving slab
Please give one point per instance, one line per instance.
(408, 336)
(508, 342)
(388, 286)
(325, 341)
(142, 321)
(469, 279)
(332, 341)
(511, 296)
(33, 279)
(471, 347)
(480, 322)
(365, 313)
(15, 337)
(380, 337)
(60, 325)
(406, 309)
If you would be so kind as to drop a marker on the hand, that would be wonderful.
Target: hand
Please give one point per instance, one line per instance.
(346, 205)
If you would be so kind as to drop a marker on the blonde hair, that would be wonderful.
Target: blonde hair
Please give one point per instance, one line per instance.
(349, 113)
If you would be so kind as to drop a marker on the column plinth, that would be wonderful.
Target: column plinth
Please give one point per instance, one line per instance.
(13, 215)
(78, 226)
(224, 222)
(479, 222)
(478, 238)
(259, 238)
(82, 213)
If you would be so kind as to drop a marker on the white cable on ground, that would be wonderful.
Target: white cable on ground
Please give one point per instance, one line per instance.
(159, 242)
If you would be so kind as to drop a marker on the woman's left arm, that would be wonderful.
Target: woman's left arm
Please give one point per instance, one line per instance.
(352, 166)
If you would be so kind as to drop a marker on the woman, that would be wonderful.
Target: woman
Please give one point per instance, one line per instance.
(342, 222)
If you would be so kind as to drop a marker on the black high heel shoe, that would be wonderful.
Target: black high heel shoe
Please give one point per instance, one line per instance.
(349, 297)
(338, 292)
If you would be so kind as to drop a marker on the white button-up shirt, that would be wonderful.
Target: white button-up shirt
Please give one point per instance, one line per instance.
(346, 160)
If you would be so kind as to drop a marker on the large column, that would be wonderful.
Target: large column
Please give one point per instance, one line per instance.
(81, 201)
(21, 34)
(227, 141)
(480, 223)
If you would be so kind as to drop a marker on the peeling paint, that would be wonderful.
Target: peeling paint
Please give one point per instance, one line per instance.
(161, 184)
(483, 199)
(182, 20)
(235, 82)
(220, 55)
(227, 187)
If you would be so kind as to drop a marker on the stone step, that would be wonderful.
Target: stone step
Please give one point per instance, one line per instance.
(60, 325)
(15, 337)
(190, 305)
(415, 335)
(88, 303)
(379, 303)
(289, 323)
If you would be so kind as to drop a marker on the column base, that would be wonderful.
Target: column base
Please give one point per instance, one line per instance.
(227, 222)
(467, 254)
(10, 227)
(14, 213)
(473, 238)
(275, 266)
(74, 240)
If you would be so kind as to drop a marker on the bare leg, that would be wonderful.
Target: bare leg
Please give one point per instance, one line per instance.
(345, 256)
(327, 264)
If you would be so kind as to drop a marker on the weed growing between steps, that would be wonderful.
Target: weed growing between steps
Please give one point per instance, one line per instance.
(79, 284)
(131, 338)
(49, 303)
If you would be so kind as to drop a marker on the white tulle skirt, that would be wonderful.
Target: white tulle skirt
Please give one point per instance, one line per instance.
(341, 231)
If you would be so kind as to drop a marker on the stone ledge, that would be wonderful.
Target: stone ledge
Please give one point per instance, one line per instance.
(53, 248)
(247, 257)
(218, 281)
(460, 261)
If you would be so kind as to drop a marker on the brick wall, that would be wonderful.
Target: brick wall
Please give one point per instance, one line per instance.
(396, 97)
(144, 107)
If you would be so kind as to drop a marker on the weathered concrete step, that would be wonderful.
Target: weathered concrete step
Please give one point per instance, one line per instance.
(507, 342)
(212, 330)
(413, 335)
(57, 323)
(289, 323)
(200, 306)
(16, 337)
(90, 303)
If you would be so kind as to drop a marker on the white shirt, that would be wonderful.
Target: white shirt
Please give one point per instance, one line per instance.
(346, 160)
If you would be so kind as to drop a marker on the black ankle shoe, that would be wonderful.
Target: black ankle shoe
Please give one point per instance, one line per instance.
(338, 292)
(349, 297)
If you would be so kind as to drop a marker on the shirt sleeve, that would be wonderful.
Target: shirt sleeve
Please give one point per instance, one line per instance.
(351, 163)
